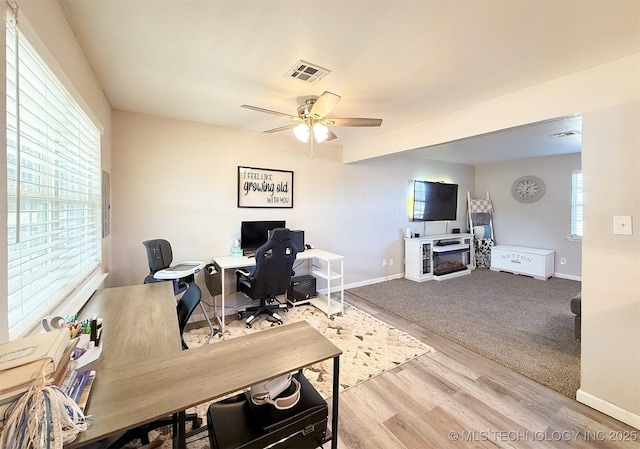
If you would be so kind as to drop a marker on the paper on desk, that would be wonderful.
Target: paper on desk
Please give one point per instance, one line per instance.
(92, 352)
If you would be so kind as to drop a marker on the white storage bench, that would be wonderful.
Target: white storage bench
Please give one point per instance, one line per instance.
(538, 263)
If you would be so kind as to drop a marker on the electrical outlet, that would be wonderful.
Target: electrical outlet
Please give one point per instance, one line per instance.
(384, 262)
(390, 262)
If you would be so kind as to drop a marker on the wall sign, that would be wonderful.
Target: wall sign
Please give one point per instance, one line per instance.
(262, 187)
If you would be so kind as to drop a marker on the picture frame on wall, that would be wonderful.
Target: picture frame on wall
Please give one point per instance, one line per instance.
(265, 188)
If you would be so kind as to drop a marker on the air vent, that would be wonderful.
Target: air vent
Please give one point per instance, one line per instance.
(307, 72)
(573, 132)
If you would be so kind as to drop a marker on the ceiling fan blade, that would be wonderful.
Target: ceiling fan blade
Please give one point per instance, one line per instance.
(331, 136)
(324, 105)
(282, 128)
(268, 111)
(353, 121)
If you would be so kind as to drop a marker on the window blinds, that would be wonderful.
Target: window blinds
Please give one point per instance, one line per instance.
(53, 188)
(576, 203)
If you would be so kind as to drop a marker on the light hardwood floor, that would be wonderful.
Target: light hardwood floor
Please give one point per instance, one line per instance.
(455, 398)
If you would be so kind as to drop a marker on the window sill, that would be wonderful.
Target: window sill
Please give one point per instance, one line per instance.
(573, 239)
(83, 293)
(76, 300)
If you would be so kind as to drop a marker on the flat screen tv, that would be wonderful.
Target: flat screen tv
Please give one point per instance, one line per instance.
(434, 201)
(255, 233)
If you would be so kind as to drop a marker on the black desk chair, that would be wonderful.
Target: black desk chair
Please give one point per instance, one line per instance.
(186, 306)
(270, 277)
(159, 257)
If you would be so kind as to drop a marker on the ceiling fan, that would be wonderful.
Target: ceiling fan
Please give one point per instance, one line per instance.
(312, 120)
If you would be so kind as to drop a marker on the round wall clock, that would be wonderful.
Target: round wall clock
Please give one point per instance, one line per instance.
(528, 189)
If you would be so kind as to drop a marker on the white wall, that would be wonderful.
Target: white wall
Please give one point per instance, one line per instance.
(543, 224)
(597, 87)
(177, 180)
(195, 156)
(611, 268)
(611, 345)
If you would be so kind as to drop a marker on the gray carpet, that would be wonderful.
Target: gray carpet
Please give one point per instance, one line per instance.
(522, 323)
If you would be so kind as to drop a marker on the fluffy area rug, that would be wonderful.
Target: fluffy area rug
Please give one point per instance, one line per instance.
(369, 346)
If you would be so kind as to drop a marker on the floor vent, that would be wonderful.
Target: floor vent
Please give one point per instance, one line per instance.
(307, 72)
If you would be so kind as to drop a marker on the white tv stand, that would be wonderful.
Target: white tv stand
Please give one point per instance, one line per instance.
(437, 257)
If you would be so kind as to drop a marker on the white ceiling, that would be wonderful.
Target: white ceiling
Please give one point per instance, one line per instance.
(402, 61)
(533, 140)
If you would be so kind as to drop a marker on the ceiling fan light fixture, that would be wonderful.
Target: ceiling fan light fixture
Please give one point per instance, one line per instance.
(312, 117)
(302, 132)
(320, 132)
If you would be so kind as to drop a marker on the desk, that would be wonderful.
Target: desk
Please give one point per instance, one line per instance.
(139, 322)
(329, 273)
(126, 390)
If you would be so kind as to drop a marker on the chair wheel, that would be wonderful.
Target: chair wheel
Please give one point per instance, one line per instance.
(280, 323)
(198, 423)
(248, 326)
(239, 315)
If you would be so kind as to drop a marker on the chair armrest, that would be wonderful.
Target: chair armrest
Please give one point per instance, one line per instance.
(245, 274)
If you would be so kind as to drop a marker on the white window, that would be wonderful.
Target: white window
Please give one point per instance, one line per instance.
(576, 204)
(53, 188)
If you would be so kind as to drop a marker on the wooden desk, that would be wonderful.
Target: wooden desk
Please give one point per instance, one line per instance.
(139, 322)
(126, 395)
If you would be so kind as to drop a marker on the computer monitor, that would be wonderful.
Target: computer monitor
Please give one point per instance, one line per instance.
(254, 234)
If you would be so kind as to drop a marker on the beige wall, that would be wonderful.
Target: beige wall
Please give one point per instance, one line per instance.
(543, 224)
(611, 268)
(597, 87)
(177, 180)
(611, 345)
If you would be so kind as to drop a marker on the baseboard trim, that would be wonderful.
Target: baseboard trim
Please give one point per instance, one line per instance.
(571, 277)
(608, 408)
(401, 275)
(374, 281)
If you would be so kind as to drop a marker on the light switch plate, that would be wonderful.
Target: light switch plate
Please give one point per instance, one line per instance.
(622, 225)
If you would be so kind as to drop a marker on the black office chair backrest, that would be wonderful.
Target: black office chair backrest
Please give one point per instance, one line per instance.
(186, 305)
(159, 254)
(274, 265)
